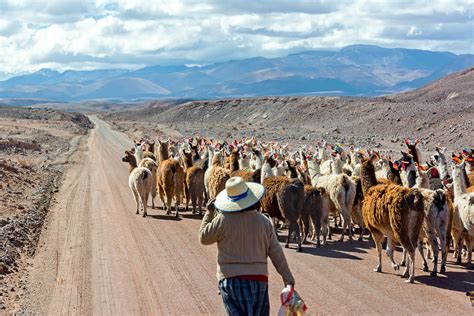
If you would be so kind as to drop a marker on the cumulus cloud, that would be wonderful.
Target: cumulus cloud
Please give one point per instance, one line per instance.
(86, 34)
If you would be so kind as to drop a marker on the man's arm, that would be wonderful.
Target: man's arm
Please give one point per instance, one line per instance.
(275, 252)
(211, 226)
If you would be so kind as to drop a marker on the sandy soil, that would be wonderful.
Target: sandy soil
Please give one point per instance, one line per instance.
(97, 257)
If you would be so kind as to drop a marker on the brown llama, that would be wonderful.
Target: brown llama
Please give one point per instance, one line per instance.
(313, 214)
(170, 178)
(218, 176)
(283, 200)
(394, 211)
(194, 183)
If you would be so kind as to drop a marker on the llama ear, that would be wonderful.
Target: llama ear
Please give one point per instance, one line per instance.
(417, 142)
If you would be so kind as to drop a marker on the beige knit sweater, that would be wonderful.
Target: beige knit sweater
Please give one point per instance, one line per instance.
(244, 241)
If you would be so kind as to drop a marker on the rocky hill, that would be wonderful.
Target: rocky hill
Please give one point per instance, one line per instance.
(440, 113)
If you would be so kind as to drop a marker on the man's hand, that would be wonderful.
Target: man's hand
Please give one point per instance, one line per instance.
(210, 206)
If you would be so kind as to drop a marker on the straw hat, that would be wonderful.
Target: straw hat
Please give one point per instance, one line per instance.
(238, 195)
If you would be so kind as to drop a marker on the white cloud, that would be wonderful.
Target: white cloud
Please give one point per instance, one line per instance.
(86, 34)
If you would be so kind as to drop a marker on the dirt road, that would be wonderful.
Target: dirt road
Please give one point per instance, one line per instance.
(98, 257)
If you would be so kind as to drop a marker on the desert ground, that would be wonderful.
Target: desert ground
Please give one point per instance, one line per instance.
(96, 256)
(74, 245)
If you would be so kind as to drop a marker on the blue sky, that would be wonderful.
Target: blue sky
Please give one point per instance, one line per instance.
(83, 34)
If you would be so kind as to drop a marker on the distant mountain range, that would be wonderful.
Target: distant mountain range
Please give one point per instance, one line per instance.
(355, 70)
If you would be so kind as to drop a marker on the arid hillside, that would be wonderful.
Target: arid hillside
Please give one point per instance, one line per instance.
(440, 113)
(34, 149)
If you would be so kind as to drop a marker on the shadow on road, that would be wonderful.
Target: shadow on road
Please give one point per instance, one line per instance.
(192, 216)
(165, 217)
(459, 281)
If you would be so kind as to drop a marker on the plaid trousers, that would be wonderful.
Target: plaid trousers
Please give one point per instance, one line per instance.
(245, 297)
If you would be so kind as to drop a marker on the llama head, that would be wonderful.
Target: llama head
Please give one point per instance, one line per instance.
(407, 161)
(129, 157)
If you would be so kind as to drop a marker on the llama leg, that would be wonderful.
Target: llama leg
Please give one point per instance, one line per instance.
(435, 247)
(346, 224)
(422, 253)
(304, 225)
(290, 230)
(187, 197)
(444, 244)
(317, 224)
(194, 201)
(390, 250)
(378, 245)
(199, 201)
(362, 231)
(144, 199)
(169, 199)
(469, 253)
(403, 263)
(161, 193)
(459, 251)
(137, 200)
(298, 236)
(411, 264)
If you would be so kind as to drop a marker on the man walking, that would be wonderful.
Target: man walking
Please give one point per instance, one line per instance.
(245, 239)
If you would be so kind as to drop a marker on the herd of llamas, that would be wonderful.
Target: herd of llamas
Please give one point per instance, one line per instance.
(420, 206)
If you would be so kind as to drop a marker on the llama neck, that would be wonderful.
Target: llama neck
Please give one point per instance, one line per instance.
(314, 169)
(258, 160)
(422, 181)
(132, 164)
(138, 153)
(266, 172)
(368, 179)
(468, 167)
(458, 187)
(337, 166)
(210, 156)
(443, 169)
(163, 154)
(234, 162)
(188, 162)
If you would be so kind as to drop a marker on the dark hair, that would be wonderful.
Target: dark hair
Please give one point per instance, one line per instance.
(255, 207)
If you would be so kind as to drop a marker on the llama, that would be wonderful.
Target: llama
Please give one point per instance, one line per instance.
(337, 165)
(314, 170)
(393, 211)
(267, 168)
(194, 185)
(140, 182)
(256, 160)
(245, 173)
(153, 167)
(341, 191)
(283, 200)
(440, 158)
(131, 160)
(414, 150)
(436, 221)
(356, 211)
(315, 210)
(409, 168)
(170, 178)
(219, 175)
(138, 151)
(464, 203)
(210, 159)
